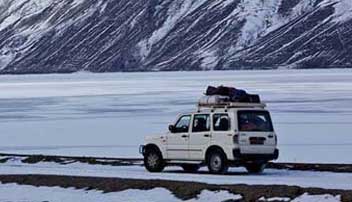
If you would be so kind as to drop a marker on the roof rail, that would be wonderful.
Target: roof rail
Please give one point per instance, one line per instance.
(227, 105)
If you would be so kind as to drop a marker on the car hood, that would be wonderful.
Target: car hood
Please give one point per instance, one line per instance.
(154, 137)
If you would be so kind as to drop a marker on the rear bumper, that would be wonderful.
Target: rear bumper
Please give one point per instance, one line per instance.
(255, 157)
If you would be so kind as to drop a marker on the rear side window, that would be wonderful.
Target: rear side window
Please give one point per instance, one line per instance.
(221, 122)
(201, 123)
(182, 124)
(255, 121)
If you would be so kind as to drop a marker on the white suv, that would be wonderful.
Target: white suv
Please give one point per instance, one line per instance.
(235, 134)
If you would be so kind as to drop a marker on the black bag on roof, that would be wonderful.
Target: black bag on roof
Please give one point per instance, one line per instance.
(221, 90)
(211, 90)
(253, 98)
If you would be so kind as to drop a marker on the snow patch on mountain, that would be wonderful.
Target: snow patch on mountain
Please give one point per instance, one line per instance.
(178, 10)
(209, 59)
(259, 16)
(15, 12)
(343, 10)
(19, 9)
(26, 37)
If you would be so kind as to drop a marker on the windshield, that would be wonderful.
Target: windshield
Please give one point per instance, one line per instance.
(255, 121)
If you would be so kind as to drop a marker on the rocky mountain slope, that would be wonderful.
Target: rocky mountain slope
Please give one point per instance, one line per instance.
(47, 36)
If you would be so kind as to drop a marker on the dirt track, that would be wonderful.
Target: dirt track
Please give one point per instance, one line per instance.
(182, 190)
(346, 168)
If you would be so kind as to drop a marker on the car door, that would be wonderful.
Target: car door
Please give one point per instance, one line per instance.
(178, 140)
(256, 132)
(200, 136)
(221, 132)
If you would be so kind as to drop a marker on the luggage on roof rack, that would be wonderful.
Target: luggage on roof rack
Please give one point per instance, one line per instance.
(233, 94)
(229, 97)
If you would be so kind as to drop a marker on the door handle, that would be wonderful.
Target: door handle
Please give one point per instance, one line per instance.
(185, 136)
(207, 135)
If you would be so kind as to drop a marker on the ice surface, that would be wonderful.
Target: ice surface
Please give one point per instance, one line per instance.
(109, 114)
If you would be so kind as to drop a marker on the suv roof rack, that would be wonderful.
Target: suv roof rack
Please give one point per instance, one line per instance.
(228, 105)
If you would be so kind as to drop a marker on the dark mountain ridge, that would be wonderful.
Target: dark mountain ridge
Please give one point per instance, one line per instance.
(50, 36)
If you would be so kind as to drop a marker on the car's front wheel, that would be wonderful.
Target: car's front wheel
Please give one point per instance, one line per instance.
(153, 161)
(255, 168)
(217, 162)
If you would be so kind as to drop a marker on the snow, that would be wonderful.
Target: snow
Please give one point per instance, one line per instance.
(305, 198)
(22, 9)
(259, 16)
(177, 10)
(282, 199)
(300, 9)
(343, 10)
(13, 192)
(327, 180)
(209, 59)
(25, 36)
(16, 11)
(108, 115)
(317, 198)
(77, 2)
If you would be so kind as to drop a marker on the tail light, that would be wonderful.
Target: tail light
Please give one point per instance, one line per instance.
(236, 139)
(275, 139)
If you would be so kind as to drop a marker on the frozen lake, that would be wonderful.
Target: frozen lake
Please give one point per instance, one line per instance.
(109, 114)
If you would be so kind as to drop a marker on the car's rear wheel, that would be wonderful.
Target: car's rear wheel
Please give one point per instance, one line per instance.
(255, 168)
(190, 168)
(153, 161)
(217, 162)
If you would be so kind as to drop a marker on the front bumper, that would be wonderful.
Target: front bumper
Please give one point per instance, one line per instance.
(142, 149)
(255, 157)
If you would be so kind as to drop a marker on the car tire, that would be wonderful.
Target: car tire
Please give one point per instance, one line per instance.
(255, 168)
(153, 161)
(217, 162)
(190, 168)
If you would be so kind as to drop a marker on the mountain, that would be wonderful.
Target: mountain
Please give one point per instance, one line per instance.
(51, 36)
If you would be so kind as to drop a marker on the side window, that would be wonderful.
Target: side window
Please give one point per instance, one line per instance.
(221, 122)
(201, 123)
(182, 124)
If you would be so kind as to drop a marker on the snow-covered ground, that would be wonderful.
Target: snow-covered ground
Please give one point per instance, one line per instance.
(109, 114)
(13, 192)
(327, 180)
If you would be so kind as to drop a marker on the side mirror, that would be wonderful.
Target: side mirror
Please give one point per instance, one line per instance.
(172, 128)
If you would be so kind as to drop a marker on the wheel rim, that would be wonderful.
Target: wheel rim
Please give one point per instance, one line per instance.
(216, 162)
(152, 160)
